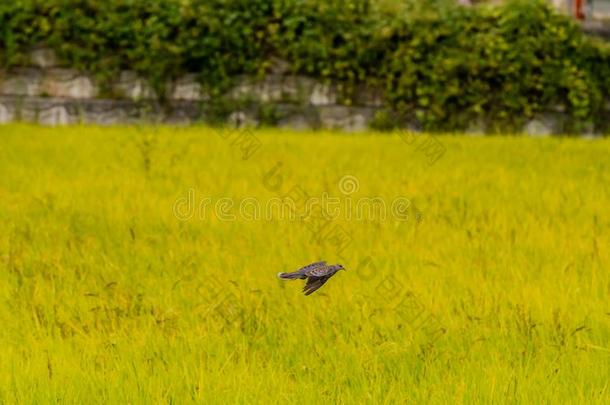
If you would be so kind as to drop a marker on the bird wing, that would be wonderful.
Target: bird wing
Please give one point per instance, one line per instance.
(309, 267)
(313, 283)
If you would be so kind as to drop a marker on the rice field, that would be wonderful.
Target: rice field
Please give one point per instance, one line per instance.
(138, 265)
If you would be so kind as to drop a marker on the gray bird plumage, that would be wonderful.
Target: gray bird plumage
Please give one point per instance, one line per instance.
(316, 274)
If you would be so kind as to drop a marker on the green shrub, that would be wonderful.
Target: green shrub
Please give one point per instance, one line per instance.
(436, 62)
(502, 63)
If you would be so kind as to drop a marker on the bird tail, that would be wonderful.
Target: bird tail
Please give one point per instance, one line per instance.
(289, 276)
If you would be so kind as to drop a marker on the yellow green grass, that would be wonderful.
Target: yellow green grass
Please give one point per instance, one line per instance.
(106, 296)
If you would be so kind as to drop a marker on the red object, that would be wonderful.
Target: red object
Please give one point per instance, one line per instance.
(578, 9)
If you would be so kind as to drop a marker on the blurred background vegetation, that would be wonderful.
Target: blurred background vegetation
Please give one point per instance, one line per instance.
(434, 61)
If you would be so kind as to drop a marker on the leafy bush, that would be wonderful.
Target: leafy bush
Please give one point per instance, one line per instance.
(437, 62)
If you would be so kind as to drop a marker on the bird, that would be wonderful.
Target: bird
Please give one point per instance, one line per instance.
(316, 274)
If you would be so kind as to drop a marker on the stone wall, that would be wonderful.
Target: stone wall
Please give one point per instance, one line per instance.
(50, 94)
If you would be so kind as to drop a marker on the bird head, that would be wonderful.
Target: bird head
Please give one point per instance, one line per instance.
(340, 267)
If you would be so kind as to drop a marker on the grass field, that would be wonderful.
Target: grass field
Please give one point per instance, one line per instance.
(112, 292)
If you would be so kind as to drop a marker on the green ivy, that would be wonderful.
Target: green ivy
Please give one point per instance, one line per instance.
(436, 62)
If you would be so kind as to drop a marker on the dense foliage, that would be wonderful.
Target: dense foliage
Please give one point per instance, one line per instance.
(444, 64)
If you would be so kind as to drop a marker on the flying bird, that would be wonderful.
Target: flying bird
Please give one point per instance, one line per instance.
(316, 274)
